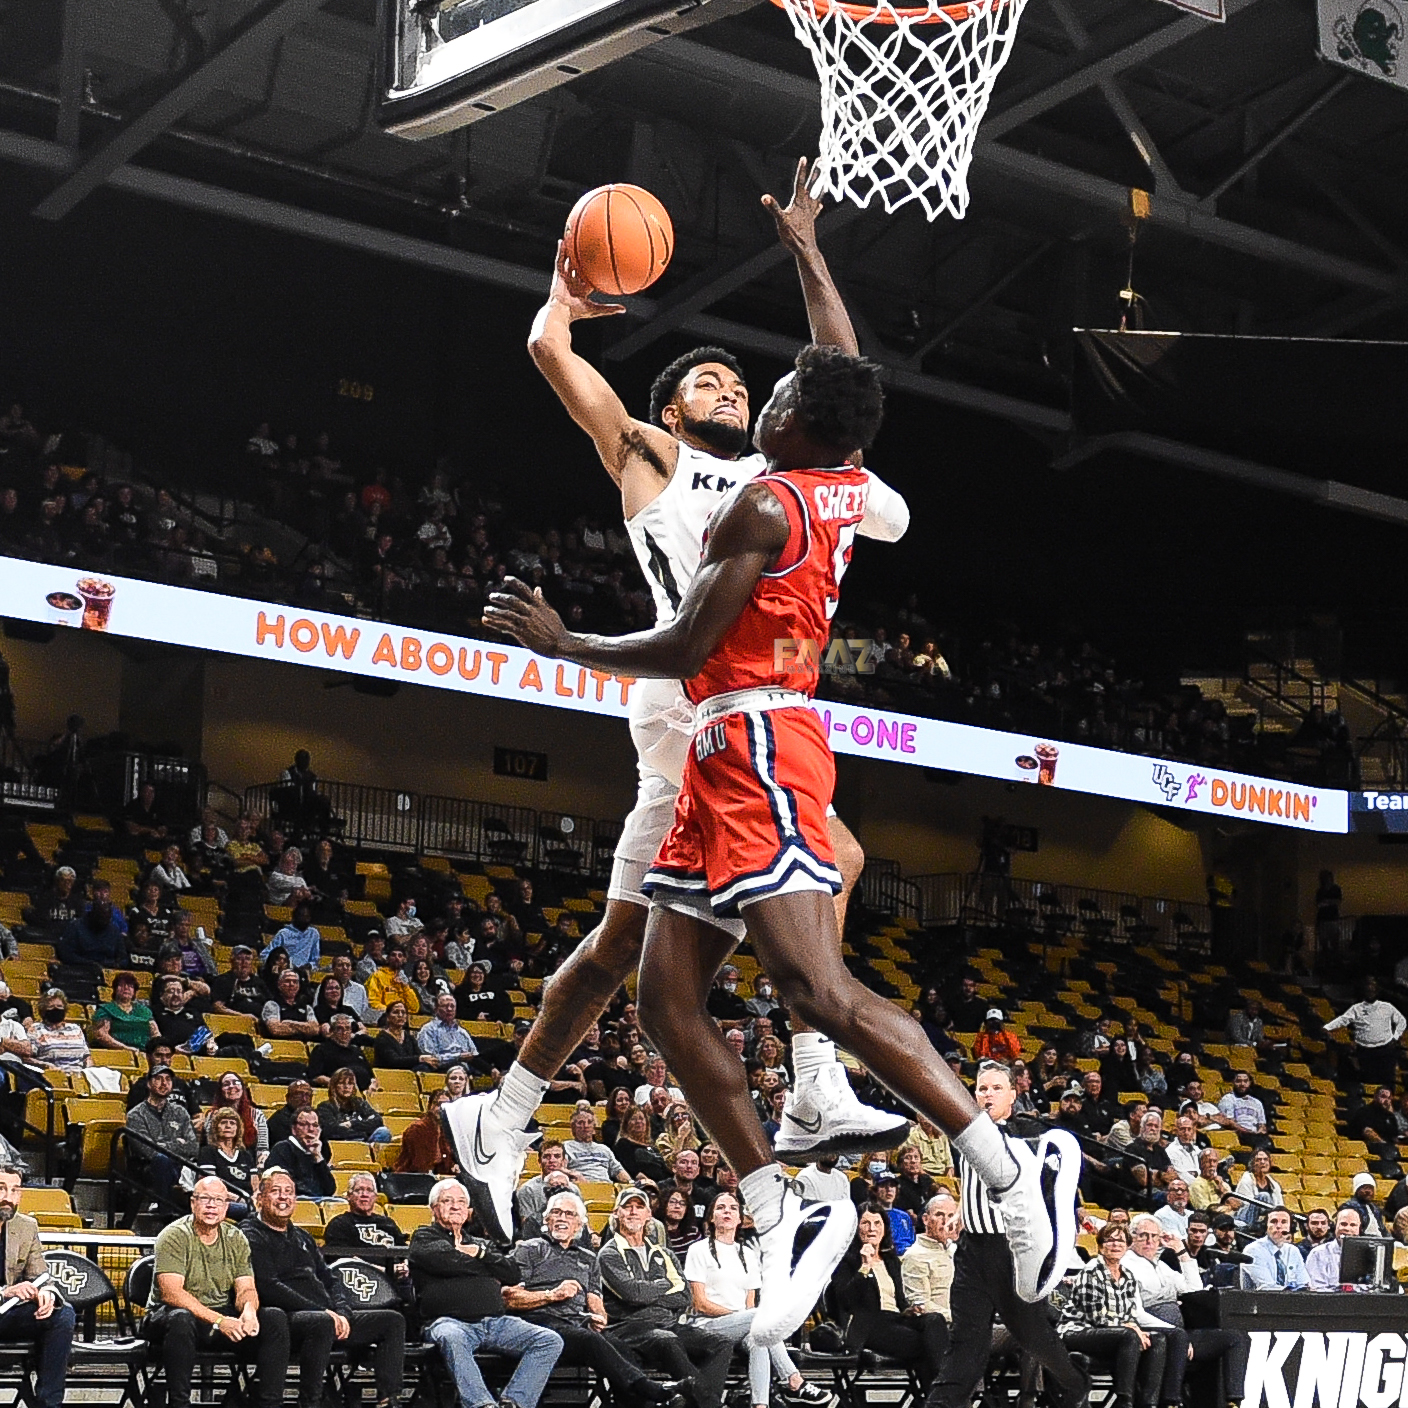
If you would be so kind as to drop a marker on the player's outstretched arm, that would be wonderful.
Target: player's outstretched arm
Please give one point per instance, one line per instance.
(744, 542)
(796, 228)
(886, 512)
(621, 441)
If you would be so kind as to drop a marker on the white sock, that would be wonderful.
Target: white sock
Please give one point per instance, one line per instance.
(519, 1096)
(762, 1191)
(811, 1053)
(983, 1146)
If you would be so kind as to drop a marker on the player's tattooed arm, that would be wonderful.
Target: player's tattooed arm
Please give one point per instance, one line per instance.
(744, 542)
(623, 443)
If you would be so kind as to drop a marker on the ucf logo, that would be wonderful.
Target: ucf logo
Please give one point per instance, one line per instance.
(70, 1278)
(359, 1283)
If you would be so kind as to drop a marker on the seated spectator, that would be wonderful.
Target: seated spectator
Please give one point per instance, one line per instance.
(1104, 1318)
(153, 909)
(362, 1225)
(1376, 1123)
(354, 994)
(395, 1046)
(197, 958)
(345, 1114)
(143, 819)
(302, 1155)
(1185, 1149)
(373, 956)
(159, 1052)
(123, 1023)
(1240, 1110)
(1209, 1190)
(1205, 1113)
(1100, 1113)
(685, 1178)
(290, 1274)
(59, 904)
(1363, 1190)
(174, 1018)
(329, 1002)
(403, 924)
(461, 1304)
(724, 1277)
(1245, 1027)
(681, 1225)
(424, 1148)
(935, 1157)
(870, 1294)
(588, 1157)
(926, 1269)
(427, 987)
(644, 1293)
(169, 873)
(161, 1135)
(561, 1288)
(286, 1016)
(387, 984)
(299, 1096)
(203, 1299)
(1095, 1039)
(247, 857)
(285, 886)
(225, 1157)
(1318, 1231)
(323, 878)
(94, 938)
(56, 1044)
(1274, 1264)
(995, 1042)
(457, 1083)
(241, 991)
(1256, 1191)
(339, 1053)
(302, 941)
(1146, 1163)
(679, 1134)
(444, 1043)
(1322, 1266)
(724, 1003)
(656, 1077)
(635, 1148)
(901, 1224)
(233, 1094)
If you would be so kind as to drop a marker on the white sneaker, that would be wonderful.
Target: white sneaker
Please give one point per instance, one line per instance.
(1039, 1212)
(822, 1117)
(799, 1256)
(491, 1155)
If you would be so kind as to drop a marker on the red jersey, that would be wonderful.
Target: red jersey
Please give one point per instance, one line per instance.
(781, 634)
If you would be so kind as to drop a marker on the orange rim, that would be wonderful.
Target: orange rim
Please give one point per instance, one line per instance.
(873, 14)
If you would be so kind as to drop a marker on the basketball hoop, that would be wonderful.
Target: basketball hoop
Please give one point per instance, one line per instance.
(903, 89)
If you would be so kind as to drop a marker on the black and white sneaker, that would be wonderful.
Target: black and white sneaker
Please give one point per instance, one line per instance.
(491, 1155)
(822, 1117)
(1039, 1212)
(809, 1393)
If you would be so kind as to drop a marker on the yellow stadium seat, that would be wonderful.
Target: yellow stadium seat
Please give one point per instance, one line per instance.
(350, 1154)
(409, 1216)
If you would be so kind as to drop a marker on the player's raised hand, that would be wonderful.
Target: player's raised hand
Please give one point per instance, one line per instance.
(520, 611)
(571, 290)
(796, 222)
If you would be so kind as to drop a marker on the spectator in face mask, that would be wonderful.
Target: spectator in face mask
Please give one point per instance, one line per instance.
(863, 1185)
(763, 1002)
(724, 1002)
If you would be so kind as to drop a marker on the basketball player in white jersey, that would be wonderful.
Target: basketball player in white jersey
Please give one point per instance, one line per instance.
(673, 472)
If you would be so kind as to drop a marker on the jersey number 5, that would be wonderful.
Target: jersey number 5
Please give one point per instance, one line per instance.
(845, 541)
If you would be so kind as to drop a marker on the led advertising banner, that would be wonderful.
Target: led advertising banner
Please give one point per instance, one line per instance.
(65, 596)
(1379, 812)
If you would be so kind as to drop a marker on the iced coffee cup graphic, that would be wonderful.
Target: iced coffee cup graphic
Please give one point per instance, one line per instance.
(97, 602)
(1046, 755)
(65, 608)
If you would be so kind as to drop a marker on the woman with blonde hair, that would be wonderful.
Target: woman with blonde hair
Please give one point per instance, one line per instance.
(679, 1134)
(226, 1157)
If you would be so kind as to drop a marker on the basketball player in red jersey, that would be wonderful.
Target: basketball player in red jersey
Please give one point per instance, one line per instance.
(750, 834)
(673, 471)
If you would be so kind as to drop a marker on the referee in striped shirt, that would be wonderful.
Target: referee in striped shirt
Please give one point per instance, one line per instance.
(982, 1281)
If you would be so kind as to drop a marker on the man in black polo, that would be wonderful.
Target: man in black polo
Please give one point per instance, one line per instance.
(362, 1226)
(241, 991)
(289, 1272)
(562, 1290)
(339, 1051)
(304, 1157)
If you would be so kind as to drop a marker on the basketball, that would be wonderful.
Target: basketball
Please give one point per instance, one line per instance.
(619, 239)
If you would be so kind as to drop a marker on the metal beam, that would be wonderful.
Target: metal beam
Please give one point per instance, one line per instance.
(706, 288)
(1004, 119)
(259, 29)
(71, 71)
(1185, 218)
(366, 239)
(1287, 129)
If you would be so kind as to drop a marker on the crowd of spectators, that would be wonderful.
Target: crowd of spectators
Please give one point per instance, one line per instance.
(425, 550)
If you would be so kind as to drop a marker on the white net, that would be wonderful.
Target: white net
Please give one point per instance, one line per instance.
(902, 94)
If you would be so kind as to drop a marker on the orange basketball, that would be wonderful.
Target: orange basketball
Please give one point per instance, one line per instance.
(619, 239)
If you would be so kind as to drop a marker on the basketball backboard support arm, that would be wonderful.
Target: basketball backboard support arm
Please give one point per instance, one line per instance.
(432, 85)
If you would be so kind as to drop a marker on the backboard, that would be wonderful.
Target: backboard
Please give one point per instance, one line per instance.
(448, 63)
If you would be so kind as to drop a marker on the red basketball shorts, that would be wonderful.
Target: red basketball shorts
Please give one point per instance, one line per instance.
(750, 820)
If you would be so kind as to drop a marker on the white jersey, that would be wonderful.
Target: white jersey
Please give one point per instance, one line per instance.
(668, 533)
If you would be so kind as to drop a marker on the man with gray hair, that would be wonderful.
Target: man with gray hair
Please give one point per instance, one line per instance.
(459, 1284)
(588, 1157)
(444, 1043)
(561, 1289)
(362, 1226)
(927, 1267)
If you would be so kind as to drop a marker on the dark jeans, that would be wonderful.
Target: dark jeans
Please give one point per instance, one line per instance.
(313, 1334)
(1378, 1065)
(179, 1337)
(590, 1350)
(676, 1351)
(52, 1337)
(1232, 1346)
(921, 1340)
(982, 1290)
(1138, 1373)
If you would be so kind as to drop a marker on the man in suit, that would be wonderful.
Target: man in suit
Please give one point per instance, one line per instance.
(29, 1311)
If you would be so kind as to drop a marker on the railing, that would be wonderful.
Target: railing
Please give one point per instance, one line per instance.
(884, 890)
(385, 818)
(18, 787)
(119, 1175)
(1288, 686)
(1054, 910)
